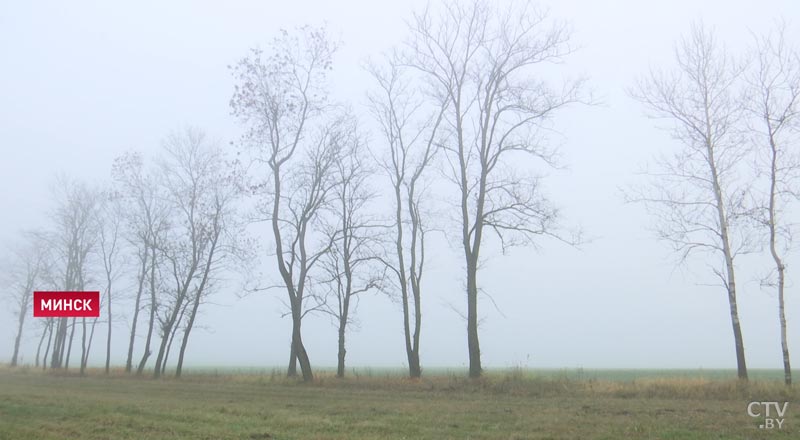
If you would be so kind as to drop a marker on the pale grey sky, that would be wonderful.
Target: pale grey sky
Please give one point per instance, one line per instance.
(81, 82)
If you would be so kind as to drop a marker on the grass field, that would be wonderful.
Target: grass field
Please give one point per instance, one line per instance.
(514, 404)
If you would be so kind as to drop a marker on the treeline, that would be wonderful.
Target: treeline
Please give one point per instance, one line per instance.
(464, 103)
(168, 227)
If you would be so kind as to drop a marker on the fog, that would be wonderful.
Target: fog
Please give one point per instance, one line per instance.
(83, 82)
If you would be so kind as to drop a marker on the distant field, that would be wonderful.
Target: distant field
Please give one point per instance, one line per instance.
(381, 404)
(618, 374)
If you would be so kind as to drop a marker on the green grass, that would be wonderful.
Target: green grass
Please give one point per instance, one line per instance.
(512, 404)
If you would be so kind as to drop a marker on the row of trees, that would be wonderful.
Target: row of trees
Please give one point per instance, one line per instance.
(461, 106)
(730, 188)
(463, 93)
(170, 226)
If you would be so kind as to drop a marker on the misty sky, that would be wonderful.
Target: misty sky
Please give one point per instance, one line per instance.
(82, 82)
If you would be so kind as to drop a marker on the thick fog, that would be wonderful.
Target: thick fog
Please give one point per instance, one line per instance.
(82, 82)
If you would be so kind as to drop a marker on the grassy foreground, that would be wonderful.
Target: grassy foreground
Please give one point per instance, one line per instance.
(504, 405)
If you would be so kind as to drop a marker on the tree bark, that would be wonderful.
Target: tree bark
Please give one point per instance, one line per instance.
(779, 266)
(300, 349)
(20, 323)
(58, 343)
(69, 346)
(473, 342)
(139, 291)
(415, 370)
(108, 340)
(741, 364)
(342, 351)
(47, 350)
(153, 304)
(169, 344)
(41, 341)
(292, 370)
(84, 348)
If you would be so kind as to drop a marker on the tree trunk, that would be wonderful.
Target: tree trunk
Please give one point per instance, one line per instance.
(781, 268)
(162, 350)
(58, 343)
(153, 305)
(142, 275)
(85, 360)
(171, 325)
(47, 350)
(108, 340)
(411, 355)
(415, 371)
(174, 332)
(173, 321)
(292, 371)
(41, 341)
(342, 351)
(741, 364)
(84, 348)
(412, 342)
(71, 340)
(300, 350)
(198, 297)
(186, 333)
(147, 351)
(108, 336)
(21, 323)
(412, 345)
(787, 366)
(169, 347)
(414, 367)
(472, 321)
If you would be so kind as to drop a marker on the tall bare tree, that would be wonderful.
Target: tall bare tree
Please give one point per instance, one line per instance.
(23, 271)
(194, 185)
(350, 266)
(110, 227)
(697, 194)
(146, 220)
(280, 97)
(215, 227)
(486, 63)
(409, 131)
(72, 241)
(773, 85)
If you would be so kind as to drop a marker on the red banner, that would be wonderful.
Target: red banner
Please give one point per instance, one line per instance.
(66, 304)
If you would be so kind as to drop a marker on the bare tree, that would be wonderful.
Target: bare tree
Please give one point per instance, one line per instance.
(216, 226)
(23, 272)
(774, 103)
(110, 249)
(146, 218)
(194, 187)
(280, 96)
(410, 148)
(481, 60)
(72, 241)
(697, 194)
(350, 265)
